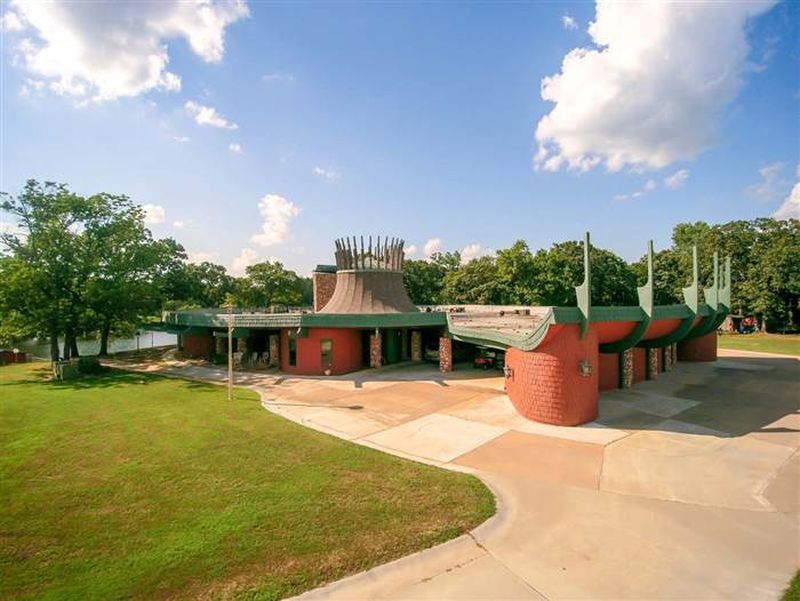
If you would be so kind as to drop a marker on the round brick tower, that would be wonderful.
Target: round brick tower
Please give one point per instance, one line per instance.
(369, 279)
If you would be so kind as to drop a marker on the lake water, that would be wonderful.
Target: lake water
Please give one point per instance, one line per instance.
(91, 346)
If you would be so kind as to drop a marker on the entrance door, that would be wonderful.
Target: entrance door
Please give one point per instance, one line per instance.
(326, 353)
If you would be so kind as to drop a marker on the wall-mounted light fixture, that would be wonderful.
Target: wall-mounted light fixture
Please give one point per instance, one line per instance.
(585, 368)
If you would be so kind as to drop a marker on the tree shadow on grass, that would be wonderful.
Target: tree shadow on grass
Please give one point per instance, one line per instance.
(110, 378)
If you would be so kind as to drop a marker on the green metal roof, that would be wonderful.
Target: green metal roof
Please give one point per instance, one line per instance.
(325, 269)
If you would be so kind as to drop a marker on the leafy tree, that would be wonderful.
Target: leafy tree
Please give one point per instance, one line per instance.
(125, 265)
(80, 264)
(516, 270)
(268, 284)
(197, 285)
(559, 269)
(48, 266)
(424, 279)
(476, 282)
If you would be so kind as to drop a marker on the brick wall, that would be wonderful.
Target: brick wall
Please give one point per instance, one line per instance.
(323, 286)
(702, 348)
(198, 346)
(609, 371)
(545, 385)
(445, 354)
(666, 357)
(639, 364)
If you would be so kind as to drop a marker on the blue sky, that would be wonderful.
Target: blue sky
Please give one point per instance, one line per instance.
(413, 120)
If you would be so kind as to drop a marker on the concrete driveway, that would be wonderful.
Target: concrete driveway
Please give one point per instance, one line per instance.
(687, 487)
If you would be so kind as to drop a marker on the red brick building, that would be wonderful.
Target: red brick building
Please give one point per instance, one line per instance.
(557, 359)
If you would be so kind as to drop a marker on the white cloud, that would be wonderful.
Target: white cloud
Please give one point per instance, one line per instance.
(11, 22)
(278, 213)
(771, 186)
(328, 174)
(278, 77)
(432, 246)
(410, 250)
(677, 179)
(568, 22)
(474, 251)
(651, 91)
(203, 256)
(235, 148)
(240, 264)
(178, 225)
(650, 185)
(10, 228)
(99, 51)
(208, 115)
(790, 209)
(154, 214)
(182, 139)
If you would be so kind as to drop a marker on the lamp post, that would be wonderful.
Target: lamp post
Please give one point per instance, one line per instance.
(230, 351)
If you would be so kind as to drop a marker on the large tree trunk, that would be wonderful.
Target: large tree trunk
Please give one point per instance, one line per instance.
(54, 351)
(104, 333)
(67, 347)
(70, 345)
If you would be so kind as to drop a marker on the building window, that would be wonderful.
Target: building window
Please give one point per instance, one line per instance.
(326, 351)
(292, 349)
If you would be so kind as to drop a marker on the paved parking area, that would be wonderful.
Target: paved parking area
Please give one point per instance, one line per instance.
(687, 487)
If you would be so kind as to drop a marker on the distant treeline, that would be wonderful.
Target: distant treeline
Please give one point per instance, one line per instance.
(88, 265)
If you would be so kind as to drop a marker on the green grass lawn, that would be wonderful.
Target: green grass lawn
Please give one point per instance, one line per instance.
(792, 592)
(132, 486)
(785, 344)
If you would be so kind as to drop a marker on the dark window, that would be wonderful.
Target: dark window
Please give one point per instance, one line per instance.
(326, 350)
(292, 349)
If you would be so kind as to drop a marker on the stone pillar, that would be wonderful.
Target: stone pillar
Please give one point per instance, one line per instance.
(702, 348)
(666, 353)
(375, 350)
(241, 345)
(219, 345)
(674, 350)
(404, 355)
(445, 354)
(416, 345)
(653, 363)
(274, 350)
(626, 368)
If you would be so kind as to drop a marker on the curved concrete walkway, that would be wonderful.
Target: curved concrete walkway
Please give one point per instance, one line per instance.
(687, 487)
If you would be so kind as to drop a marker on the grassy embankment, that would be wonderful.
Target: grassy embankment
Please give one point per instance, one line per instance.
(134, 486)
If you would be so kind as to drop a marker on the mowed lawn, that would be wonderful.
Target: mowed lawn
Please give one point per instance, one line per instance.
(784, 344)
(131, 486)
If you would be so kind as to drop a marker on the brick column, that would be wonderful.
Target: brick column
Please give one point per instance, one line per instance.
(274, 350)
(653, 363)
(241, 345)
(626, 368)
(673, 349)
(416, 345)
(219, 345)
(375, 350)
(445, 354)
